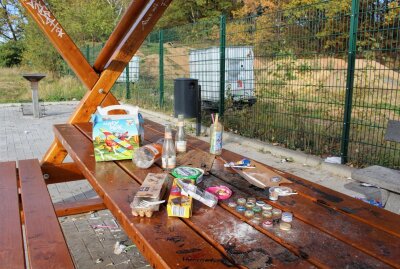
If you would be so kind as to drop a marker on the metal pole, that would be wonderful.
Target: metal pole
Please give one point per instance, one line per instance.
(222, 47)
(128, 89)
(161, 67)
(35, 99)
(355, 5)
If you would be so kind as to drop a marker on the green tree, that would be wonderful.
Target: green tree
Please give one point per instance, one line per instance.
(85, 21)
(11, 32)
(191, 11)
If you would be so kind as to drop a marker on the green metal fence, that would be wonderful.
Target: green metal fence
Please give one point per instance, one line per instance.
(322, 78)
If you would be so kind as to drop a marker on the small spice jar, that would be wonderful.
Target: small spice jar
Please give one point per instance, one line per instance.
(241, 201)
(249, 214)
(258, 217)
(232, 204)
(276, 212)
(267, 214)
(285, 226)
(287, 217)
(250, 205)
(267, 207)
(267, 224)
(240, 209)
(257, 209)
(251, 199)
(260, 203)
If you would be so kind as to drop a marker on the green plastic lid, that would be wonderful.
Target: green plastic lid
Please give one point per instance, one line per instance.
(186, 172)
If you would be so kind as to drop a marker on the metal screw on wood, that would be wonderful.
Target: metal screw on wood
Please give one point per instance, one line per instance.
(101, 91)
(46, 176)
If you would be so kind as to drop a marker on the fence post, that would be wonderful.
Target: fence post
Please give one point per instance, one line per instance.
(222, 46)
(351, 60)
(161, 67)
(128, 88)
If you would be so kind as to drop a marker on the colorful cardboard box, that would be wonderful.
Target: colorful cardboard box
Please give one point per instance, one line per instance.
(116, 137)
(179, 205)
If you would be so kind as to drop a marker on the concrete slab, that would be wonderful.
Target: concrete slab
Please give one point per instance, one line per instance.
(369, 193)
(379, 176)
(393, 203)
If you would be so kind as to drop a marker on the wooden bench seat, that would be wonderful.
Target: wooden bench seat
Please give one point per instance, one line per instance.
(27, 206)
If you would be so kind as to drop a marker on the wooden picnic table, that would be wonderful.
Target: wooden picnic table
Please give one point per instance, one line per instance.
(329, 230)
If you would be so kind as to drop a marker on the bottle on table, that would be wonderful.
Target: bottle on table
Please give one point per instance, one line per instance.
(180, 137)
(145, 156)
(216, 130)
(168, 156)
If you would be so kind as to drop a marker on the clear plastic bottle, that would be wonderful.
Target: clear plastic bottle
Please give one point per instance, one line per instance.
(145, 156)
(168, 156)
(180, 137)
(216, 131)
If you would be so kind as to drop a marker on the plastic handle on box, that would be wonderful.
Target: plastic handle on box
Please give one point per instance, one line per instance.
(131, 110)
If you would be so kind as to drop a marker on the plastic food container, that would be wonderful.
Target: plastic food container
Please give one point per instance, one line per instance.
(186, 172)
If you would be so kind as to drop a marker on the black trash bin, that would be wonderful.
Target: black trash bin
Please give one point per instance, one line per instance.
(187, 99)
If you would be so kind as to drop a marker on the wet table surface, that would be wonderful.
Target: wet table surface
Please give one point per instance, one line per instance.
(329, 229)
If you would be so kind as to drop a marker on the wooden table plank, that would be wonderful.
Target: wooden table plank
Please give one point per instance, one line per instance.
(314, 244)
(11, 242)
(45, 240)
(243, 247)
(157, 237)
(354, 208)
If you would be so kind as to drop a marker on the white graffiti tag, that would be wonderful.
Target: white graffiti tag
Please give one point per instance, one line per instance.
(46, 17)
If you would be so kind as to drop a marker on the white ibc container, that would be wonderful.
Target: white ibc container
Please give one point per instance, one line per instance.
(133, 71)
(204, 65)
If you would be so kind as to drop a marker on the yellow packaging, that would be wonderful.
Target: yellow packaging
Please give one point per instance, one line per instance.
(178, 204)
